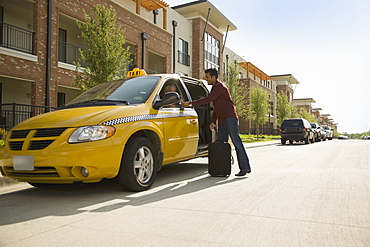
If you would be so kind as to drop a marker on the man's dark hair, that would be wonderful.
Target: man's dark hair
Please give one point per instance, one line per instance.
(212, 72)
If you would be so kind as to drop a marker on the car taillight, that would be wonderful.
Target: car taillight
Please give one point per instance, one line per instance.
(304, 129)
(281, 129)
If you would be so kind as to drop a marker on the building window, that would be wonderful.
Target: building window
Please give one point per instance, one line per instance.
(61, 99)
(62, 51)
(184, 56)
(211, 53)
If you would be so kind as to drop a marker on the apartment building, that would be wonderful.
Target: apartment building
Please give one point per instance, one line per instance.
(253, 77)
(286, 83)
(304, 103)
(39, 46)
(250, 76)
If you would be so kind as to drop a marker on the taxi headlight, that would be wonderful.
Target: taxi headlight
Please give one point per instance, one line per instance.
(91, 133)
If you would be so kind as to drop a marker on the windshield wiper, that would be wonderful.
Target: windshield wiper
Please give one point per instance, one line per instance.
(108, 100)
(94, 101)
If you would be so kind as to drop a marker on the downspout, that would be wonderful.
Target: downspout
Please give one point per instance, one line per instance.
(48, 55)
(144, 37)
(174, 25)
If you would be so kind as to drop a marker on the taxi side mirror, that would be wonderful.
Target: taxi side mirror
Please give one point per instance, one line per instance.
(168, 99)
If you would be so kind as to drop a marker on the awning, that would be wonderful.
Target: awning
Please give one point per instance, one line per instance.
(152, 4)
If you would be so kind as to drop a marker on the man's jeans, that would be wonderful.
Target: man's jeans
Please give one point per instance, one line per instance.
(231, 128)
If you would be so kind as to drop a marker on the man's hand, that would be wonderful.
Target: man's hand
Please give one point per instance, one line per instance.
(212, 126)
(185, 104)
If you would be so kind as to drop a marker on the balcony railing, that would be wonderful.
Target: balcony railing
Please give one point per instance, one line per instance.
(12, 114)
(17, 38)
(68, 53)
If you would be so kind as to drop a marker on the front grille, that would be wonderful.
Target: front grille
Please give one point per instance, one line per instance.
(38, 138)
(19, 134)
(49, 132)
(37, 145)
(16, 145)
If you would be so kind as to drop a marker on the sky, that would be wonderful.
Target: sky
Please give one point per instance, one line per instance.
(325, 45)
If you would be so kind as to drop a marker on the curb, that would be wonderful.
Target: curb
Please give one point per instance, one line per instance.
(261, 144)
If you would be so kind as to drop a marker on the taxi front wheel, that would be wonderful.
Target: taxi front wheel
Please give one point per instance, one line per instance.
(138, 166)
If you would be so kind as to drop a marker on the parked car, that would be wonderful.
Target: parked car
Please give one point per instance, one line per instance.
(124, 129)
(329, 132)
(319, 132)
(323, 133)
(343, 137)
(298, 130)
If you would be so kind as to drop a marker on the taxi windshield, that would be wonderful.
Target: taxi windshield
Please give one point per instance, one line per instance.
(129, 91)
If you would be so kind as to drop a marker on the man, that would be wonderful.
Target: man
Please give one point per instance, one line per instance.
(225, 113)
(170, 88)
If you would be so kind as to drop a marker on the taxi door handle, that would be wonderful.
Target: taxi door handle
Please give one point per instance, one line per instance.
(193, 121)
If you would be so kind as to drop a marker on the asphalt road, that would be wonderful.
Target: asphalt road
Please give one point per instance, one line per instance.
(296, 195)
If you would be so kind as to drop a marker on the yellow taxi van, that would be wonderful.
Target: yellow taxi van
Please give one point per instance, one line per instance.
(124, 129)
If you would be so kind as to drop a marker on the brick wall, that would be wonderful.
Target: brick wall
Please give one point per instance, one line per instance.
(198, 47)
(160, 42)
(245, 124)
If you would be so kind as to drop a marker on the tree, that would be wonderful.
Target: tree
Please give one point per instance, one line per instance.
(303, 113)
(105, 56)
(284, 109)
(259, 106)
(237, 91)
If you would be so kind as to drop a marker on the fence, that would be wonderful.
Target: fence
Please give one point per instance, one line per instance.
(16, 38)
(12, 114)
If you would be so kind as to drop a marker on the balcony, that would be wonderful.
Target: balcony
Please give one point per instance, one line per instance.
(68, 53)
(16, 38)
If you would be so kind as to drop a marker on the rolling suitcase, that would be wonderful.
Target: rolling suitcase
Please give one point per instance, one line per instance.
(219, 159)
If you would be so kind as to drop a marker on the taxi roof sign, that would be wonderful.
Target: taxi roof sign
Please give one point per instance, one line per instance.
(136, 72)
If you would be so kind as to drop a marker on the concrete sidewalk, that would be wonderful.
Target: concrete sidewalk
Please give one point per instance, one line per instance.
(9, 181)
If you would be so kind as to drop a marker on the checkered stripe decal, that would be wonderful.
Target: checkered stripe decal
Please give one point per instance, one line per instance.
(132, 119)
(143, 117)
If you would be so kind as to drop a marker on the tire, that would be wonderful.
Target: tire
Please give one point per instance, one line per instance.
(290, 142)
(306, 140)
(283, 141)
(138, 165)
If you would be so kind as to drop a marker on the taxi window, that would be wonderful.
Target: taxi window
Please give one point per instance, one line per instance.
(173, 85)
(133, 91)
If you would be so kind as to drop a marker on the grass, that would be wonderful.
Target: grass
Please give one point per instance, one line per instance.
(260, 138)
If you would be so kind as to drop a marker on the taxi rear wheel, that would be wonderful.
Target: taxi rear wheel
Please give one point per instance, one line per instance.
(138, 166)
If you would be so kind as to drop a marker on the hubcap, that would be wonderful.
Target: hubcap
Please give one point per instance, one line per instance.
(143, 164)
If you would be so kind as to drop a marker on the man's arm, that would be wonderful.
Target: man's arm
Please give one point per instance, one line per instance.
(215, 93)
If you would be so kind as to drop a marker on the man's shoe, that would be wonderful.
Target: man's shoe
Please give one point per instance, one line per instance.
(242, 173)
